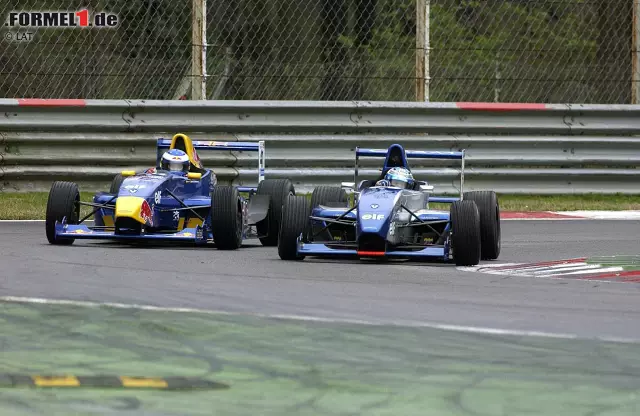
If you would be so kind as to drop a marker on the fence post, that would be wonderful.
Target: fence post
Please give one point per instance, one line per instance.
(199, 50)
(422, 50)
(635, 58)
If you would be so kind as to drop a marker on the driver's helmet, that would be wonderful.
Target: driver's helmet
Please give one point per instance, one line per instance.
(175, 160)
(400, 178)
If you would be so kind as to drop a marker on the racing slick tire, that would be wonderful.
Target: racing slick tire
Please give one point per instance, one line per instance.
(465, 233)
(116, 183)
(64, 201)
(489, 208)
(323, 195)
(278, 190)
(227, 218)
(295, 217)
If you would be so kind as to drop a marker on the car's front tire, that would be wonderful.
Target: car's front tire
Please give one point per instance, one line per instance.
(64, 201)
(116, 183)
(227, 221)
(295, 216)
(465, 233)
(333, 195)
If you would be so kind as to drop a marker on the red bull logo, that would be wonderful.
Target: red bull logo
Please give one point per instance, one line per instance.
(146, 213)
(196, 159)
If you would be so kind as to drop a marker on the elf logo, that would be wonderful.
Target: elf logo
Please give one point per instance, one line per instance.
(375, 217)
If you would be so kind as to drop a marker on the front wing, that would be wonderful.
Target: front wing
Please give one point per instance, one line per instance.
(321, 249)
(191, 235)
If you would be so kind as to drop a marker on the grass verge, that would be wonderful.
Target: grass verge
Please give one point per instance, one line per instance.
(32, 206)
(628, 263)
(276, 366)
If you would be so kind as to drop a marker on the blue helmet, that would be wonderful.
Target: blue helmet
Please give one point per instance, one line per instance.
(400, 178)
(175, 160)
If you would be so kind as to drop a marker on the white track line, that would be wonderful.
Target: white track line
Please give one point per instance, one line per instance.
(563, 270)
(409, 324)
(555, 272)
(20, 221)
(601, 270)
(547, 219)
(538, 269)
(603, 215)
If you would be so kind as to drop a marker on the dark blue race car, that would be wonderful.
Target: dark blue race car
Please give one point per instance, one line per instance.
(173, 205)
(391, 217)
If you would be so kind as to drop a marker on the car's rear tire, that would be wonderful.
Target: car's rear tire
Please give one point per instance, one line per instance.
(64, 201)
(278, 191)
(333, 195)
(295, 216)
(489, 208)
(465, 233)
(116, 183)
(227, 221)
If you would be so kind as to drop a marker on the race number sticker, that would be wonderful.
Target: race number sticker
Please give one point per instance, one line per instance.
(157, 197)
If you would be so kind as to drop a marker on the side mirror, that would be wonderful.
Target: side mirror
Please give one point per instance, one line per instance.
(126, 173)
(348, 185)
(426, 188)
(194, 175)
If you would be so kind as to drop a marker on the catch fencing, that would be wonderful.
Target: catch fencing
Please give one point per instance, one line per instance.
(511, 148)
(394, 50)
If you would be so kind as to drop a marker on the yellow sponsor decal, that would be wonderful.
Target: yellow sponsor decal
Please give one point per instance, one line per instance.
(194, 222)
(143, 382)
(132, 207)
(108, 220)
(55, 381)
(194, 175)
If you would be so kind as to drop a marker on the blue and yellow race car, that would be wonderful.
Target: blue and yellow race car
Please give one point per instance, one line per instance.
(177, 200)
(392, 218)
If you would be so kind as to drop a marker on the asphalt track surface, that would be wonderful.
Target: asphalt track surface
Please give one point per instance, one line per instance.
(254, 280)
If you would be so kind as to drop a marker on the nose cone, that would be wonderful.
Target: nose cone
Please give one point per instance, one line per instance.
(375, 208)
(135, 208)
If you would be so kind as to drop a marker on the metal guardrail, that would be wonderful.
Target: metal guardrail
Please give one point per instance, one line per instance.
(312, 142)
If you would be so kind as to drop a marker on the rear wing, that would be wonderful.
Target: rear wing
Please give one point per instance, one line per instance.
(412, 154)
(164, 143)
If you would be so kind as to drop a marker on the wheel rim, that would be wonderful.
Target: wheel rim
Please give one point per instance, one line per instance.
(498, 225)
(240, 224)
(76, 211)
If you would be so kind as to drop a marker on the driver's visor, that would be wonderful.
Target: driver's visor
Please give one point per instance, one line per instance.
(398, 183)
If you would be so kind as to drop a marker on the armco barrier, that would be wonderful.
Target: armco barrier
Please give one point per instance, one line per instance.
(509, 147)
